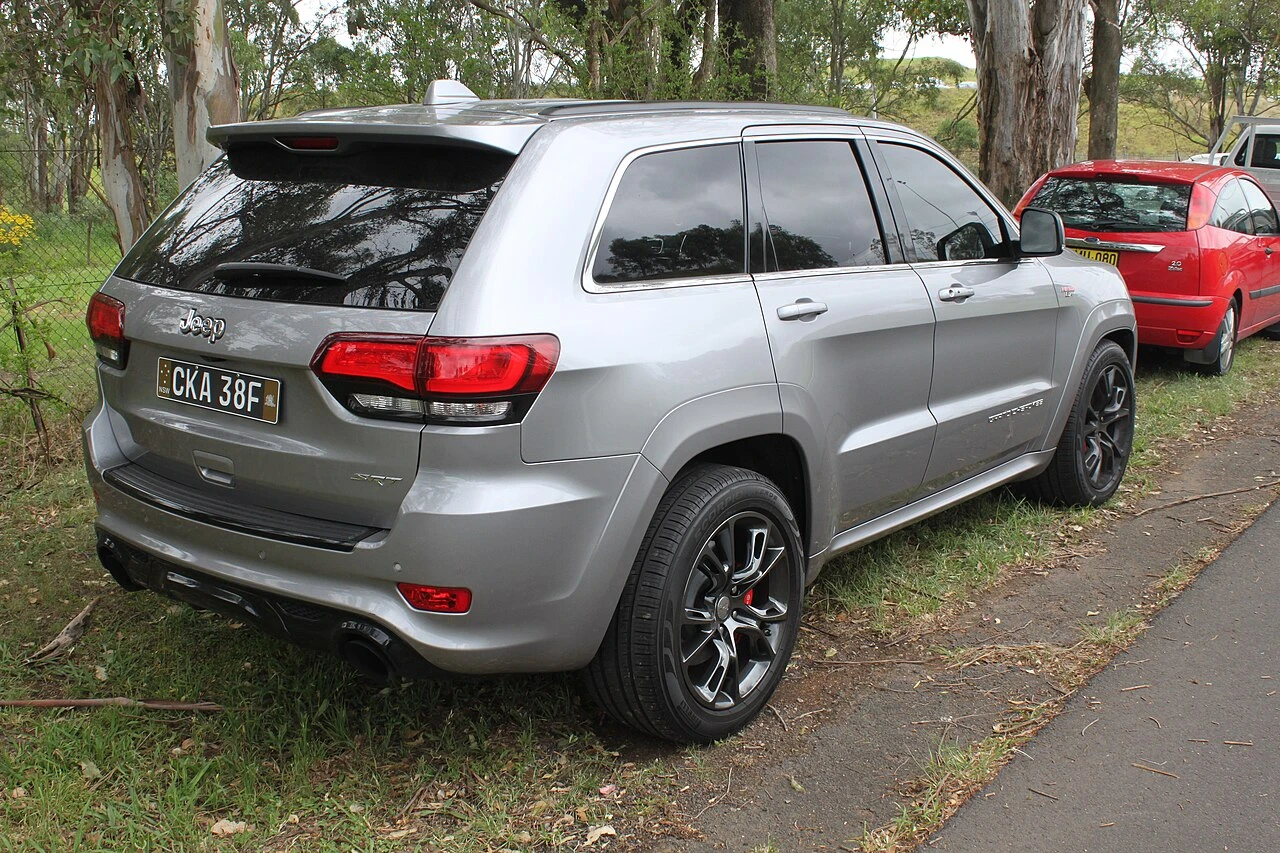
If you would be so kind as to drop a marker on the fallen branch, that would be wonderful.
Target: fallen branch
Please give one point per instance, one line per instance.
(114, 701)
(67, 637)
(865, 662)
(1207, 496)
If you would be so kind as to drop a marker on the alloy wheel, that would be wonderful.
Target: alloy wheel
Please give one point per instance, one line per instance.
(734, 605)
(1108, 428)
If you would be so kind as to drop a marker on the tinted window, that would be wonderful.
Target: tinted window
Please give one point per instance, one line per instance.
(946, 217)
(381, 227)
(1100, 204)
(1265, 155)
(818, 207)
(1261, 211)
(675, 214)
(1231, 211)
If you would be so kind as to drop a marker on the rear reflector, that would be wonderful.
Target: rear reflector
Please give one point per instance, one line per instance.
(436, 599)
(441, 380)
(105, 319)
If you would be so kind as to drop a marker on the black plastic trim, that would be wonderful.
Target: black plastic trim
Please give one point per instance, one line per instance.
(151, 488)
(310, 625)
(1266, 291)
(1163, 300)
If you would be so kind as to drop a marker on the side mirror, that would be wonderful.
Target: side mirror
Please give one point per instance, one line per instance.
(1042, 234)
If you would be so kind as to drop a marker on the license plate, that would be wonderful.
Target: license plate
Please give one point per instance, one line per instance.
(1112, 258)
(241, 394)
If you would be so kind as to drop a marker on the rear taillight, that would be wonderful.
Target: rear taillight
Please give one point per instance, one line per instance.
(1200, 207)
(437, 380)
(105, 319)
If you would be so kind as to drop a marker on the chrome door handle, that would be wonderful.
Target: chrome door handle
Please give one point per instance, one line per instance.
(802, 309)
(955, 294)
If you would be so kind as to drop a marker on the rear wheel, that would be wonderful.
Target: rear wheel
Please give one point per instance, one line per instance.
(1226, 341)
(709, 616)
(1094, 449)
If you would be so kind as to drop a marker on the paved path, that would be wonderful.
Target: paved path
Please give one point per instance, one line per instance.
(1207, 673)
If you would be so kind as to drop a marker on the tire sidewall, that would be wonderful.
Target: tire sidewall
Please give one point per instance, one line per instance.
(688, 714)
(1107, 355)
(1223, 369)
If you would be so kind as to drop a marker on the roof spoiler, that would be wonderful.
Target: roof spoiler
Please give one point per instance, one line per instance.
(503, 139)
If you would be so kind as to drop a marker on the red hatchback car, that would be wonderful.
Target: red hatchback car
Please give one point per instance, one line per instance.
(1198, 246)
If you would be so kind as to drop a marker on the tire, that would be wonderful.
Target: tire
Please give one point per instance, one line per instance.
(710, 613)
(1096, 443)
(1226, 341)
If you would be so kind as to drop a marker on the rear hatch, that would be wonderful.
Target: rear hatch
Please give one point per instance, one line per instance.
(1136, 223)
(230, 294)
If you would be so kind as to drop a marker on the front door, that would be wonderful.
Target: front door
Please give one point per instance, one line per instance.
(993, 391)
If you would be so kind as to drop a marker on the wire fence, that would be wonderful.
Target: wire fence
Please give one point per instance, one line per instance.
(57, 244)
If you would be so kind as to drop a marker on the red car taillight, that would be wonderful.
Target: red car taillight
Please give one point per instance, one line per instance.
(439, 380)
(105, 319)
(1200, 208)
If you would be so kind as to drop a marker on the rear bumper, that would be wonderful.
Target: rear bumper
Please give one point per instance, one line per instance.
(544, 548)
(1185, 322)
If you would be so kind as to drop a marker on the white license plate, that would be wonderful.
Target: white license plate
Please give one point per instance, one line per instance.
(241, 394)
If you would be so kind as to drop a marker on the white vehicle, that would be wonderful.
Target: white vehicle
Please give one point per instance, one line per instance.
(1256, 150)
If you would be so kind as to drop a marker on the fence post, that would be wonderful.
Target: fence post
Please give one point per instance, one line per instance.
(31, 392)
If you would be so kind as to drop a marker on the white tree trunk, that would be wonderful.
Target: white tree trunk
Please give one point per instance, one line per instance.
(121, 183)
(203, 81)
(1030, 66)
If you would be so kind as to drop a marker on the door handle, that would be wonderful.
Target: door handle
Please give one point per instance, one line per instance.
(955, 294)
(802, 309)
(1268, 250)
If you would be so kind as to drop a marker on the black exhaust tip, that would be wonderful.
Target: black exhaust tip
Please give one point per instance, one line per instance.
(113, 560)
(368, 649)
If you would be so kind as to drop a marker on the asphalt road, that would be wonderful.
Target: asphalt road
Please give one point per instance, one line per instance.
(1174, 747)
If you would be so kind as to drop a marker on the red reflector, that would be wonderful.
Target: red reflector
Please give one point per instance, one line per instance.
(436, 599)
(309, 143)
(479, 366)
(385, 358)
(1187, 336)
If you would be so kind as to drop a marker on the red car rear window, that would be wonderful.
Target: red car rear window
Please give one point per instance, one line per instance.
(1094, 204)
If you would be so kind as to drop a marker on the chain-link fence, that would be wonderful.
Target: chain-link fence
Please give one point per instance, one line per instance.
(57, 244)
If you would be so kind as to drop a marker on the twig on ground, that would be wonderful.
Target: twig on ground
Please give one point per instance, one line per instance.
(1193, 498)
(718, 798)
(67, 637)
(1042, 793)
(866, 662)
(779, 716)
(116, 701)
(1155, 770)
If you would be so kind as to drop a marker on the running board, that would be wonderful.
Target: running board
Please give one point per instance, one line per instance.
(1015, 469)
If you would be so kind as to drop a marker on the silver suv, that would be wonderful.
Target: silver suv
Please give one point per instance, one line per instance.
(494, 386)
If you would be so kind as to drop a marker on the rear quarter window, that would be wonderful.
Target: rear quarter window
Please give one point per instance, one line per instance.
(675, 214)
(382, 226)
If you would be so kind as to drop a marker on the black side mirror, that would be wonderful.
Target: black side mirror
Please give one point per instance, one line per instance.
(1042, 234)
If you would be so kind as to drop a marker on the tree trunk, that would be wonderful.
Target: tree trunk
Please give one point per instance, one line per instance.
(751, 42)
(203, 81)
(1104, 83)
(707, 63)
(1030, 58)
(121, 183)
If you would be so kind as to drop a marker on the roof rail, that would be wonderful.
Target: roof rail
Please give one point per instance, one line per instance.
(590, 108)
(442, 92)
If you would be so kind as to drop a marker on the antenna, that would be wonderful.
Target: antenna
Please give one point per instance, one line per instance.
(442, 92)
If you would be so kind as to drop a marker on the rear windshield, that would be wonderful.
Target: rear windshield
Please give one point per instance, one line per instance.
(383, 226)
(1106, 205)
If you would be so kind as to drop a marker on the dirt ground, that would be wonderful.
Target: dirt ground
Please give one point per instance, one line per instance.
(844, 740)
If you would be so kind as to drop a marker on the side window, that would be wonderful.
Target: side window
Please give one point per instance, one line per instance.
(948, 220)
(1261, 211)
(1231, 211)
(817, 205)
(676, 214)
(1265, 155)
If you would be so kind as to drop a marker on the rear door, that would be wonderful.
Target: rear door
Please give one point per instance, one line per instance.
(1261, 157)
(993, 390)
(851, 332)
(230, 294)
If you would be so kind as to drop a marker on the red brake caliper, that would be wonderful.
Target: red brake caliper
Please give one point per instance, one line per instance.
(746, 599)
